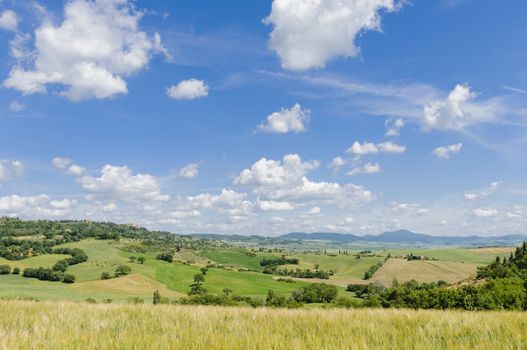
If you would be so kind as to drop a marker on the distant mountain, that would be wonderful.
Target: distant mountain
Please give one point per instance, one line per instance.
(394, 237)
(407, 237)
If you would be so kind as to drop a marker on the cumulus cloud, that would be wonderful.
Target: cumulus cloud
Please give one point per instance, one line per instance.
(39, 206)
(10, 169)
(394, 126)
(413, 209)
(460, 109)
(371, 148)
(309, 33)
(119, 183)
(337, 163)
(67, 165)
(189, 171)
(444, 152)
(17, 106)
(273, 205)
(484, 193)
(368, 168)
(287, 179)
(90, 53)
(228, 202)
(188, 90)
(287, 120)
(485, 212)
(8, 20)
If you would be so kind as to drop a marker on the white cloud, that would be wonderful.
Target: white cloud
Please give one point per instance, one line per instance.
(460, 110)
(287, 179)
(371, 148)
(337, 163)
(368, 168)
(189, 171)
(17, 106)
(413, 209)
(390, 147)
(394, 126)
(10, 169)
(445, 152)
(66, 165)
(60, 162)
(287, 120)
(309, 33)
(8, 20)
(76, 170)
(90, 53)
(484, 193)
(109, 208)
(227, 202)
(188, 90)
(65, 203)
(314, 211)
(273, 205)
(184, 214)
(485, 212)
(119, 183)
(40, 206)
(362, 149)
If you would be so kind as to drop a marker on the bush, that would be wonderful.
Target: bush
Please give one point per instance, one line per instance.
(166, 256)
(5, 269)
(105, 276)
(122, 270)
(16, 271)
(68, 278)
(316, 293)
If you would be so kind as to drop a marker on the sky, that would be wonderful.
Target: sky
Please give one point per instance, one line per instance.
(266, 117)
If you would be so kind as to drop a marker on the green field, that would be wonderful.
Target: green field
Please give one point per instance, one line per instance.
(473, 256)
(46, 325)
(172, 279)
(175, 279)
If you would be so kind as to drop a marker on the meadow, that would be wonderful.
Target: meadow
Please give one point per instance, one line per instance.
(66, 325)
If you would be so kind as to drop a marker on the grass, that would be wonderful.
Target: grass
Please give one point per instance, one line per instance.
(422, 271)
(235, 258)
(46, 260)
(29, 325)
(481, 256)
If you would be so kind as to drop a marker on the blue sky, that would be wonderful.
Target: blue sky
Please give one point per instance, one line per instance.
(265, 117)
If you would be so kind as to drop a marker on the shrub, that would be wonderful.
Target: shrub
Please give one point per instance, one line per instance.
(68, 278)
(122, 270)
(105, 276)
(5, 269)
(16, 271)
(166, 256)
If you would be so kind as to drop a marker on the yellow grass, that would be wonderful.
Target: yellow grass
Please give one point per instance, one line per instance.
(133, 285)
(65, 325)
(423, 271)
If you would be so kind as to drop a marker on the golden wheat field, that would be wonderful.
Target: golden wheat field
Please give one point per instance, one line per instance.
(66, 325)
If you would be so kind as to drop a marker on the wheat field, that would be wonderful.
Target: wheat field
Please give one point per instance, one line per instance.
(67, 325)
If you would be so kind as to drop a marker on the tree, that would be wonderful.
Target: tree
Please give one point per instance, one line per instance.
(122, 270)
(204, 270)
(141, 259)
(68, 278)
(227, 291)
(157, 298)
(198, 279)
(105, 276)
(132, 258)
